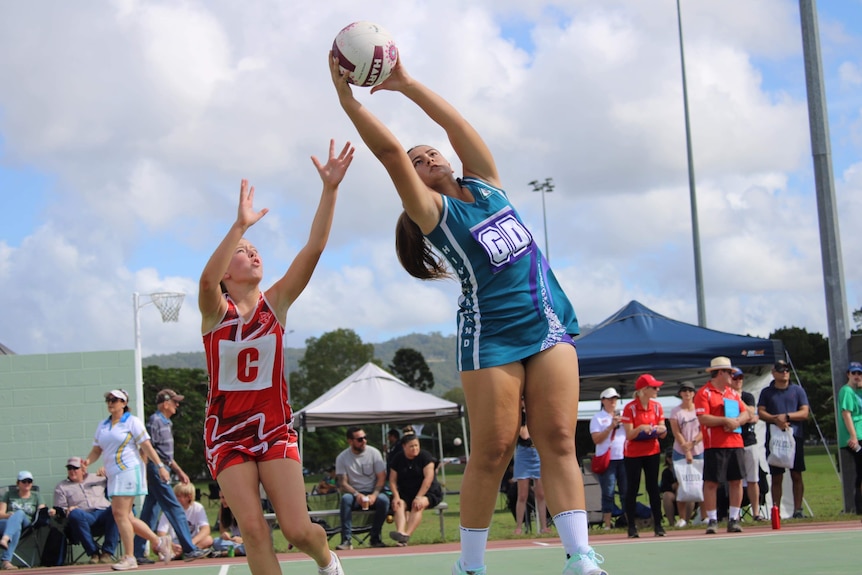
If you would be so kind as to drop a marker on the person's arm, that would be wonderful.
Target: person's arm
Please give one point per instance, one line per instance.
(427, 480)
(286, 289)
(378, 486)
(94, 455)
(344, 485)
(847, 418)
(147, 447)
(393, 485)
(677, 436)
(179, 471)
(3, 514)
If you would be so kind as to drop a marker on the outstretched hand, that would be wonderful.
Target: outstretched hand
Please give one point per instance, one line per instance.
(333, 171)
(339, 78)
(246, 216)
(397, 81)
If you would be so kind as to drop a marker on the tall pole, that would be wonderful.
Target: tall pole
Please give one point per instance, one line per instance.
(543, 187)
(139, 368)
(695, 228)
(827, 215)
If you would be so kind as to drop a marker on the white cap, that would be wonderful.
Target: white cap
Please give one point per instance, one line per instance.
(609, 393)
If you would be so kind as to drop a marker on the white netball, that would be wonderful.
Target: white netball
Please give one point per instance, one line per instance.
(367, 51)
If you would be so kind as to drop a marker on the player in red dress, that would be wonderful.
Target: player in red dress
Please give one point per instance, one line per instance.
(248, 435)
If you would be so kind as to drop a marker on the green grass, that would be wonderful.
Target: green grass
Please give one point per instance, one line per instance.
(822, 492)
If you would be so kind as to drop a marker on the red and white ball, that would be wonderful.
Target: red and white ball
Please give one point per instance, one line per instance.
(367, 51)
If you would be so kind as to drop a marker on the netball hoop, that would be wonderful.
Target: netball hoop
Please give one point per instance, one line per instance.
(169, 304)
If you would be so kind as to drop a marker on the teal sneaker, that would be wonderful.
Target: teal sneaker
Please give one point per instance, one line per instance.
(458, 570)
(585, 564)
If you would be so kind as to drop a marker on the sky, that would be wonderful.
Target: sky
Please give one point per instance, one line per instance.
(127, 125)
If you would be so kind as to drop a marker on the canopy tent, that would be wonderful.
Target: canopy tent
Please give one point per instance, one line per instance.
(637, 340)
(372, 395)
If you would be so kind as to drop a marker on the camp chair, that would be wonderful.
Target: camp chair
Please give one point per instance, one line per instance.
(214, 493)
(325, 511)
(28, 552)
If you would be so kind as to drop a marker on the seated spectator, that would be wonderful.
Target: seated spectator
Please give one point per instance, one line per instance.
(17, 511)
(228, 530)
(83, 499)
(328, 484)
(196, 516)
(667, 487)
(361, 474)
(393, 447)
(414, 485)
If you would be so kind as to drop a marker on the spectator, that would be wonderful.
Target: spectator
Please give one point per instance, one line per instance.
(160, 495)
(327, 484)
(393, 439)
(195, 518)
(120, 438)
(413, 480)
(83, 498)
(850, 423)
(17, 511)
(786, 406)
(643, 421)
(228, 530)
(607, 433)
(667, 487)
(688, 440)
(361, 473)
(751, 451)
(528, 467)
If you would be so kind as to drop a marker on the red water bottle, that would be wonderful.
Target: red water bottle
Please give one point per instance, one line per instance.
(776, 517)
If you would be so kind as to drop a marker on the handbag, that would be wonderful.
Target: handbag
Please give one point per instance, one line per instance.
(689, 479)
(782, 447)
(600, 463)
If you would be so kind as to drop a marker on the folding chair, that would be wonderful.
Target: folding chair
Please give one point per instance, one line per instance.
(28, 552)
(214, 493)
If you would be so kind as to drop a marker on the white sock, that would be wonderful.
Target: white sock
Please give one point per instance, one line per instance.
(329, 568)
(712, 515)
(574, 531)
(733, 512)
(473, 543)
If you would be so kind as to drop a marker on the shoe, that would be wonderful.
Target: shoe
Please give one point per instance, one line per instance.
(698, 521)
(106, 558)
(733, 526)
(759, 518)
(165, 549)
(94, 559)
(633, 533)
(144, 560)
(585, 564)
(334, 568)
(798, 514)
(399, 537)
(458, 570)
(4, 543)
(378, 544)
(125, 564)
(711, 527)
(197, 554)
(7, 565)
(680, 524)
(344, 546)
(659, 531)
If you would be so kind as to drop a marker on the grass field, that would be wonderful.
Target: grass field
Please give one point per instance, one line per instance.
(822, 492)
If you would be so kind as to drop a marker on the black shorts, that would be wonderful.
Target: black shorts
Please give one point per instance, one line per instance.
(434, 499)
(722, 464)
(798, 460)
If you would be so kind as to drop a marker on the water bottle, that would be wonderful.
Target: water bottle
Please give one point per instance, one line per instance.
(776, 517)
(231, 551)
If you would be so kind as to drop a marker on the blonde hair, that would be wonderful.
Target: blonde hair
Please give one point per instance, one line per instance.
(187, 489)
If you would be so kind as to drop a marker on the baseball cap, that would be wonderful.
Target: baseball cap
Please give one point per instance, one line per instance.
(647, 380)
(854, 366)
(22, 475)
(167, 394)
(609, 393)
(73, 462)
(736, 372)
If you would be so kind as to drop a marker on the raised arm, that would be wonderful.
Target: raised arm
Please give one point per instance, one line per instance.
(285, 291)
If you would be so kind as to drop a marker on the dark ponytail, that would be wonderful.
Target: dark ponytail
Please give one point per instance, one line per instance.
(415, 254)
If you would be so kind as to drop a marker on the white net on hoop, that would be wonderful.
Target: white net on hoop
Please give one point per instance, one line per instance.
(169, 304)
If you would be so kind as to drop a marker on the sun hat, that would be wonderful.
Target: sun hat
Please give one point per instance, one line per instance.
(719, 362)
(685, 385)
(608, 393)
(647, 380)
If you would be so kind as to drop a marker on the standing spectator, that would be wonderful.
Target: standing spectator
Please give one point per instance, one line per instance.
(751, 451)
(361, 474)
(17, 511)
(528, 467)
(229, 536)
(122, 438)
(850, 424)
(160, 495)
(195, 517)
(607, 433)
(786, 406)
(687, 440)
(83, 498)
(643, 421)
(413, 480)
(722, 441)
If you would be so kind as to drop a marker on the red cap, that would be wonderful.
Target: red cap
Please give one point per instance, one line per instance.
(646, 380)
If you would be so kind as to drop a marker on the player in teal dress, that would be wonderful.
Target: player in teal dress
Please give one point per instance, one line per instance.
(515, 324)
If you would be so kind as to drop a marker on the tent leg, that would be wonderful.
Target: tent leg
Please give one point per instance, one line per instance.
(440, 447)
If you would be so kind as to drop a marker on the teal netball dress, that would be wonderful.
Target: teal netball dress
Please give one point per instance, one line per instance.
(511, 305)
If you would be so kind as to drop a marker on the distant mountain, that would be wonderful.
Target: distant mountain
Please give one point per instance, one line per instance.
(437, 349)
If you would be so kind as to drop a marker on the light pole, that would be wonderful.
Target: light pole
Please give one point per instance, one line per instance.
(542, 187)
(169, 304)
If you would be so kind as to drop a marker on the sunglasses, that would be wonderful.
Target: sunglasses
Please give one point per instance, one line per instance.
(112, 399)
(781, 369)
(361, 438)
(71, 467)
(856, 372)
(737, 377)
(26, 481)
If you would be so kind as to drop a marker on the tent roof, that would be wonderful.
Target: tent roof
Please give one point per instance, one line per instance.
(637, 340)
(5, 350)
(372, 395)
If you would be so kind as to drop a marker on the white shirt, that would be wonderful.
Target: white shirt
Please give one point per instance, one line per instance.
(196, 515)
(120, 443)
(600, 422)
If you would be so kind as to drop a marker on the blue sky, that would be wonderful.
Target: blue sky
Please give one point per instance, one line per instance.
(130, 123)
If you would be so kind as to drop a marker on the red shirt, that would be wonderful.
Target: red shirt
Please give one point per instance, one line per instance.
(710, 401)
(636, 414)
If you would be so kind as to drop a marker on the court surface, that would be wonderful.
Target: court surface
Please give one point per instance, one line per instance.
(826, 548)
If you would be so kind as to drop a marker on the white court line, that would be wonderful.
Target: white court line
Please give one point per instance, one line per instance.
(223, 570)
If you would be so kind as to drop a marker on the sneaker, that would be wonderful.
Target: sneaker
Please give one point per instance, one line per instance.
(759, 518)
(659, 531)
(798, 514)
(165, 549)
(378, 543)
(711, 527)
(125, 564)
(733, 526)
(680, 524)
(94, 559)
(197, 554)
(106, 558)
(144, 560)
(399, 537)
(7, 565)
(633, 533)
(344, 546)
(585, 564)
(699, 521)
(458, 570)
(334, 567)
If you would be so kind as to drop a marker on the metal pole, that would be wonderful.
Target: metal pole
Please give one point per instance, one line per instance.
(827, 215)
(695, 228)
(546, 186)
(139, 368)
